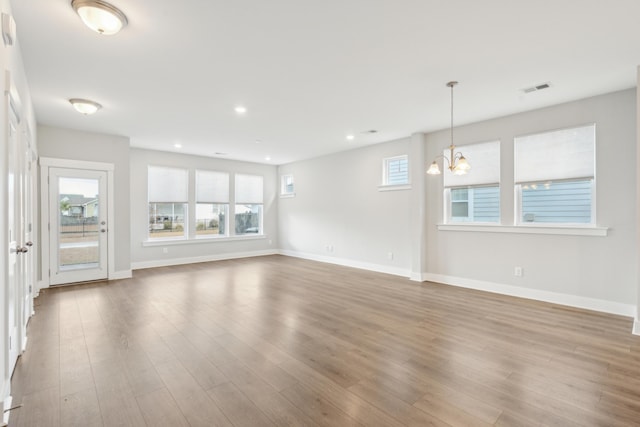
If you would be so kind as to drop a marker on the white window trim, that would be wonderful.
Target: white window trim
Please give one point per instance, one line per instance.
(385, 175)
(396, 187)
(197, 240)
(565, 230)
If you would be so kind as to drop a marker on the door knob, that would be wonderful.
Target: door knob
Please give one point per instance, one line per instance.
(103, 230)
(22, 250)
(29, 243)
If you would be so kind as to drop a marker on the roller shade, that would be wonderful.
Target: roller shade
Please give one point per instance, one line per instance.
(168, 185)
(212, 187)
(249, 189)
(484, 159)
(556, 155)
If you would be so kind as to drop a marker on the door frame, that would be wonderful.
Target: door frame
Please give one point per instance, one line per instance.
(50, 162)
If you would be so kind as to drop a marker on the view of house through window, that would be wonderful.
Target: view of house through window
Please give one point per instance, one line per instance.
(554, 176)
(475, 197)
(395, 170)
(286, 185)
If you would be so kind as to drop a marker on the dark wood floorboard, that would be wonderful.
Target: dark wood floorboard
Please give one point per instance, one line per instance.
(279, 341)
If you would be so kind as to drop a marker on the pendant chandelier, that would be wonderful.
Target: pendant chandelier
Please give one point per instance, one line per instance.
(456, 161)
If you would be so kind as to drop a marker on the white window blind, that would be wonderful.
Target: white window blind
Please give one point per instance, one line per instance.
(484, 159)
(556, 155)
(168, 185)
(249, 189)
(212, 187)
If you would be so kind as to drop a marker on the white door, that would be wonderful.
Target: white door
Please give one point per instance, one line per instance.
(13, 273)
(78, 225)
(27, 267)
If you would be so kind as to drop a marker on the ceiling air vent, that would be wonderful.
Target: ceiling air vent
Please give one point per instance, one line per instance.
(536, 88)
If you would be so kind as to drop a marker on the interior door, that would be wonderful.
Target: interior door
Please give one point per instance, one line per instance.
(78, 225)
(13, 273)
(26, 227)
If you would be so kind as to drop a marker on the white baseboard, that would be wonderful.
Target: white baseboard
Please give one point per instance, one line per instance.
(636, 327)
(121, 274)
(605, 306)
(205, 258)
(348, 263)
(40, 284)
(6, 404)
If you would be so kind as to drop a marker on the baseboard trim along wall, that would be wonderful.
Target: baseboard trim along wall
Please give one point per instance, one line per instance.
(205, 258)
(536, 294)
(121, 274)
(378, 268)
(636, 327)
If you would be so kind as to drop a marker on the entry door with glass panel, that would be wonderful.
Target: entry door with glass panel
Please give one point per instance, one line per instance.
(78, 225)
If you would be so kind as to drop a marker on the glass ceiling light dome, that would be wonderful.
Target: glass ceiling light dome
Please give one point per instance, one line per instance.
(85, 106)
(100, 16)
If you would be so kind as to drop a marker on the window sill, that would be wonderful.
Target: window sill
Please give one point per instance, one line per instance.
(528, 229)
(171, 242)
(287, 196)
(394, 187)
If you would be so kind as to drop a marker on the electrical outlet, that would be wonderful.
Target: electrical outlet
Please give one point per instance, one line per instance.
(390, 255)
(165, 250)
(518, 271)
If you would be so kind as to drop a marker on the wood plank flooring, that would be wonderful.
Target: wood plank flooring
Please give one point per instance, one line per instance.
(279, 341)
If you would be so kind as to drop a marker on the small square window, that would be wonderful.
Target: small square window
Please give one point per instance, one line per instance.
(395, 170)
(286, 185)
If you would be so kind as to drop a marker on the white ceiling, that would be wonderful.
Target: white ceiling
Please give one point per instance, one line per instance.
(311, 72)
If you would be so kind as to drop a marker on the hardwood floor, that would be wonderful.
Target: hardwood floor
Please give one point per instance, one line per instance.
(278, 341)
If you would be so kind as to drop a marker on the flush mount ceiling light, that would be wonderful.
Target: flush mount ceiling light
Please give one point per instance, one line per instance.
(456, 161)
(240, 109)
(100, 16)
(85, 106)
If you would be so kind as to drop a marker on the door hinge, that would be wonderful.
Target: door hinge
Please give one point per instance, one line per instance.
(49, 272)
(30, 289)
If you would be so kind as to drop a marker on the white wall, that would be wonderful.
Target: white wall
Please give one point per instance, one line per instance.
(11, 61)
(149, 256)
(337, 204)
(598, 272)
(76, 145)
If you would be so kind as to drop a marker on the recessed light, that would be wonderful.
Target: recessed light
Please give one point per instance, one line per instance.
(100, 16)
(177, 145)
(350, 137)
(258, 141)
(267, 158)
(85, 106)
(240, 109)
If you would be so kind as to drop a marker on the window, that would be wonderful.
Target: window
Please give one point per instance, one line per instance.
(475, 204)
(168, 198)
(212, 203)
(286, 185)
(395, 170)
(554, 176)
(248, 206)
(475, 197)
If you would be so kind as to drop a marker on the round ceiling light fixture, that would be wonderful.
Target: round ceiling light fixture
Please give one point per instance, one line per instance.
(85, 106)
(100, 16)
